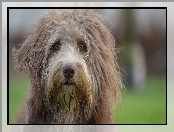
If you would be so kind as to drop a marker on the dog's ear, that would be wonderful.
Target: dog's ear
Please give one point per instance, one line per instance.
(29, 56)
(22, 56)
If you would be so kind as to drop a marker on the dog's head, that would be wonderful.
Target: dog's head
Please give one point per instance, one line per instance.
(71, 54)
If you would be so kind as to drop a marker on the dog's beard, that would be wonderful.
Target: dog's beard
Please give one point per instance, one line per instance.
(68, 97)
(70, 100)
(67, 104)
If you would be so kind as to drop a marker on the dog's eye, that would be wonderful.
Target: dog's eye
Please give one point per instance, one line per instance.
(81, 46)
(57, 45)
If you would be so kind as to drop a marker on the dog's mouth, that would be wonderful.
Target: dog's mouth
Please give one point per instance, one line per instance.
(68, 83)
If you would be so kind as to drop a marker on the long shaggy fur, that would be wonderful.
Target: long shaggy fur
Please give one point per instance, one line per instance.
(97, 81)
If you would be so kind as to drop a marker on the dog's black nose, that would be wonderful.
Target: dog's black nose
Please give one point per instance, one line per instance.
(68, 71)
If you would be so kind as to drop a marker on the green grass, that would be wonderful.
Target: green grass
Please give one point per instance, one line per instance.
(147, 107)
(17, 94)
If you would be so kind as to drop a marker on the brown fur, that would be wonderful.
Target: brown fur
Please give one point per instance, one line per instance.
(95, 95)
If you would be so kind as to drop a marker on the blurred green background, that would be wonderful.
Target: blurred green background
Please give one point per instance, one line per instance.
(141, 34)
(18, 88)
(147, 107)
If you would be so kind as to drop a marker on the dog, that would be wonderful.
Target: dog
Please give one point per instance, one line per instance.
(71, 59)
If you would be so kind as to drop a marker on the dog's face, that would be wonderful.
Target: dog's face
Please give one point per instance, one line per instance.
(67, 73)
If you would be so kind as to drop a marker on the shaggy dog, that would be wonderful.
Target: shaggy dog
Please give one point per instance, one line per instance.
(71, 59)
